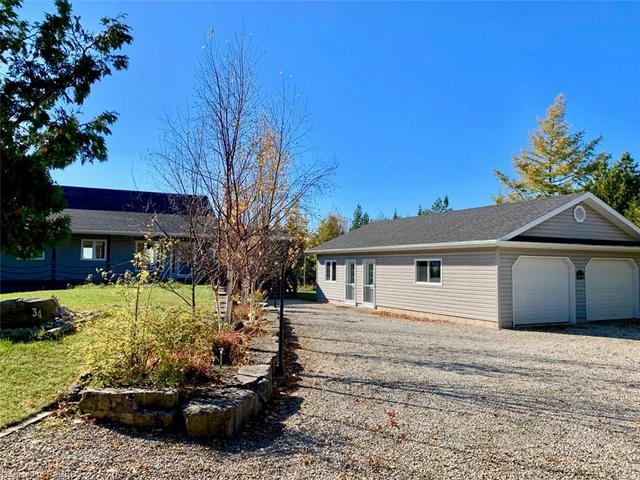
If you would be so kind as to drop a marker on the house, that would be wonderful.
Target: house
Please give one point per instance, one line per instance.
(559, 260)
(107, 228)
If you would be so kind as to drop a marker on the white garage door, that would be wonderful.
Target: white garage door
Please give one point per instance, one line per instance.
(543, 290)
(611, 289)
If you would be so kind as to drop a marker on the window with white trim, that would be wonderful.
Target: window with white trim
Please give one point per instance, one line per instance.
(91, 249)
(330, 267)
(147, 251)
(429, 271)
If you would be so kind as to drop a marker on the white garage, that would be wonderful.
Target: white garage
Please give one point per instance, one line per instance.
(611, 289)
(543, 290)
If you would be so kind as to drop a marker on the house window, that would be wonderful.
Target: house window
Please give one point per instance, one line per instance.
(147, 251)
(429, 271)
(93, 249)
(181, 265)
(330, 267)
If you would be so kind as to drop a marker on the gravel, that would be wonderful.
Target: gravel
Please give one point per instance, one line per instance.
(383, 397)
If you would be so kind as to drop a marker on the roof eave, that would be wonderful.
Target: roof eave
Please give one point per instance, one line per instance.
(402, 248)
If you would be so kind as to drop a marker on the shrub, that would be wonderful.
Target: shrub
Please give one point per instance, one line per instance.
(245, 311)
(231, 345)
(155, 347)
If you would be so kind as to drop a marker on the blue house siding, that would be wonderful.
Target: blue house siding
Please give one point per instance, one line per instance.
(13, 269)
(69, 266)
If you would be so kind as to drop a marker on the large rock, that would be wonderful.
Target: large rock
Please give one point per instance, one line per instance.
(257, 378)
(220, 414)
(136, 407)
(27, 312)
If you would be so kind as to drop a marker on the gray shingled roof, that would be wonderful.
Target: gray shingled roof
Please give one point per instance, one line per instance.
(473, 224)
(125, 223)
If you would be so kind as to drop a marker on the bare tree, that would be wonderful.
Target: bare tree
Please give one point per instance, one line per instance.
(243, 148)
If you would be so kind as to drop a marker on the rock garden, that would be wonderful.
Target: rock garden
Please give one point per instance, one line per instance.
(155, 366)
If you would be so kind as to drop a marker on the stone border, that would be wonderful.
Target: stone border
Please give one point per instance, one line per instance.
(220, 413)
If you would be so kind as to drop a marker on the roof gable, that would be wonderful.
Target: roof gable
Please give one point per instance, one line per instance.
(595, 226)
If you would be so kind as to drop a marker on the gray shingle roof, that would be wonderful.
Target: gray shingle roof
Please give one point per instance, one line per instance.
(125, 223)
(473, 224)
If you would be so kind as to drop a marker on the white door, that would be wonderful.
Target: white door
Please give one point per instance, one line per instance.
(543, 290)
(368, 283)
(350, 282)
(612, 289)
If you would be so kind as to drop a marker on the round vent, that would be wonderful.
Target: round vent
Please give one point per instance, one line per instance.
(580, 214)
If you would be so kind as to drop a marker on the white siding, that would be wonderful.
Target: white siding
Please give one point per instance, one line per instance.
(595, 227)
(330, 290)
(468, 290)
(579, 260)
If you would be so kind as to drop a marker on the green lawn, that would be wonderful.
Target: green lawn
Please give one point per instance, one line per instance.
(308, 293)
(33, 374)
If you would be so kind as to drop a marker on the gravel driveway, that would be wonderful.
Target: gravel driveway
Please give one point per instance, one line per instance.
(382, 397)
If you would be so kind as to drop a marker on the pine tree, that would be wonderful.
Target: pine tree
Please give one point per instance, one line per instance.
(48, 71)
(357, 218)
(365, 219)
(618, 185)
(440, 205)
(557, 162)
(395, 213)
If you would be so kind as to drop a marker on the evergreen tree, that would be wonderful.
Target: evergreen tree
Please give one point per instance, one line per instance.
(357, 218)
(365, 218)
(557, 162)
(440, 204)
(618, 185)
(332, 226)
(48, 69)
(395, 213)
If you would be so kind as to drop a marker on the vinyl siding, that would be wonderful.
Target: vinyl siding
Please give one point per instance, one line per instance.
(579, 259)
(595, 227)
(333, 291)
(468, 290)
(69, 266)
(13, 269)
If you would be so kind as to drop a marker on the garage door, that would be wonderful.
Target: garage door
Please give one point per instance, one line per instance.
(543, 290)
(611, 289)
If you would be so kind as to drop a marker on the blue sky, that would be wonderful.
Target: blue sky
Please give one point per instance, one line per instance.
(414, 100)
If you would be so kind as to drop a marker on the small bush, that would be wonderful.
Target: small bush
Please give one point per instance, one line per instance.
(155, 347)
(244, 312)
(231, 345)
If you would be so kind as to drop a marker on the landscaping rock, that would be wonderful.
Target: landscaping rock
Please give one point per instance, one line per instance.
(266, 343)
(137, 407)
(257, 378)
(220, 414)
(27, 312)
(264, 358)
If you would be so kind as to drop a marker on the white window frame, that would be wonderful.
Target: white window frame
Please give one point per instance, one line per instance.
(415, 271)
(331, 270)
(346, 279)
(93, 245)
(153, 259)
(40, 257)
